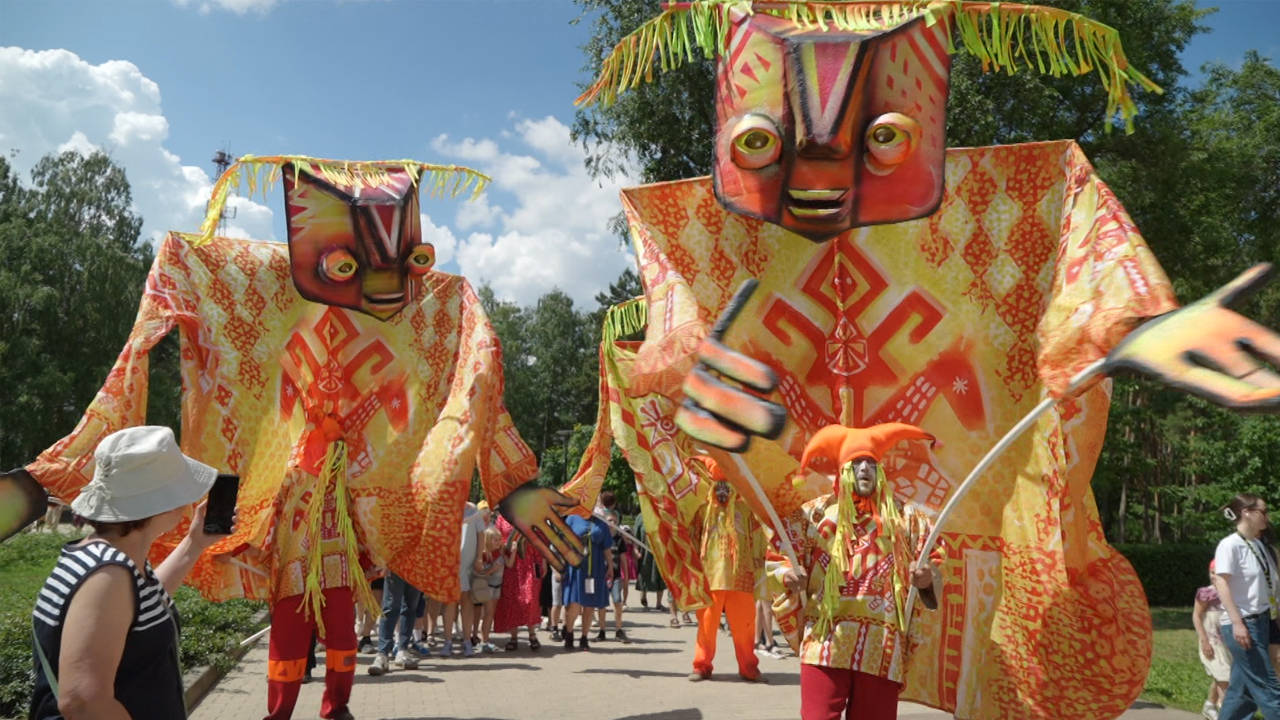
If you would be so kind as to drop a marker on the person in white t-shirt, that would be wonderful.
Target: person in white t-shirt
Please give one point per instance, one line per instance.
(1246, 582)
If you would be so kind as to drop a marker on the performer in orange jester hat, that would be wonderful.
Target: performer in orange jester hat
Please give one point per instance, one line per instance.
(856, 547)
(732, 551)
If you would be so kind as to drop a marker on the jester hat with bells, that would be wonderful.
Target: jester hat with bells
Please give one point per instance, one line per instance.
(832, 115)
(355, 230)
(840, 446)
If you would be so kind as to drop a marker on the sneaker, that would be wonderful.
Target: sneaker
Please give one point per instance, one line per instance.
(696, 676)
(447, 649)
(366, 646)
(600, 637)
(418, 650)
(488, 648)
(775, 652)
(380, 666)
(583, 644)
(468, 648)
(622, 638)
(406, 661)
(1210, 711)
(555, 635)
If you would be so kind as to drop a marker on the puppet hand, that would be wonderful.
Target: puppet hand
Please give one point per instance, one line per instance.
(796, 580)
(1209, 350)
(532, 511)
(717, 410)
(22, 502)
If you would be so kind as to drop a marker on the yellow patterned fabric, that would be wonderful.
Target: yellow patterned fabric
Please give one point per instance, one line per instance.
(274, 385)
(731, 557)
(865, 631)
(959, 323)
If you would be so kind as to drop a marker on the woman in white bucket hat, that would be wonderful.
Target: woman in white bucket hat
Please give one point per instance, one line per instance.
(106, 631)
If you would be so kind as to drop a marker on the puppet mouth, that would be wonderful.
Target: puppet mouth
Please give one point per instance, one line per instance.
(384, 300)
(817, 204)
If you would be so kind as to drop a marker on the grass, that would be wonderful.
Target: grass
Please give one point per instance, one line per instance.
(1177, 678)
(210, 631)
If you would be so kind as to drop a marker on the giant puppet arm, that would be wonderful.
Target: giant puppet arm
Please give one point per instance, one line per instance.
(1205, 349)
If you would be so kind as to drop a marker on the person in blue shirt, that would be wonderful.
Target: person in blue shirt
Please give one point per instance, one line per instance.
(587, 585)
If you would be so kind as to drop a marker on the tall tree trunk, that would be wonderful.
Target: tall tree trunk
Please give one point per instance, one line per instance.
(1124, 505)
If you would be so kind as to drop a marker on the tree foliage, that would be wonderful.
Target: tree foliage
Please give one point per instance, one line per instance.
(71, 274)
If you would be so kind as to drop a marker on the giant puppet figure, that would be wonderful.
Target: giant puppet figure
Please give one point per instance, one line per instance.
(353, 388)
(978, 293)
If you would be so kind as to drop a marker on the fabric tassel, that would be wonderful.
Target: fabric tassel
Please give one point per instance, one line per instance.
(1003, 36)
(441, 181)
(335, 465)
(625, 319)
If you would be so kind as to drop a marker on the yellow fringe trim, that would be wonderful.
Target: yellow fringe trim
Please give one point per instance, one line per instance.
(334, 471)
(625, 319)
(262, 173)
(1004, 36)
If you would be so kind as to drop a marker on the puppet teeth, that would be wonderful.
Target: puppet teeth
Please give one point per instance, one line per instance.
(827, 195)
(805, 212)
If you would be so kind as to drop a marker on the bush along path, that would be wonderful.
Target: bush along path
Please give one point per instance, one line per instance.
(211, 632)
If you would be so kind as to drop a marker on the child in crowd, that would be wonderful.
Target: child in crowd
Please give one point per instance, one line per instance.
(1207, 618)
(486, 583)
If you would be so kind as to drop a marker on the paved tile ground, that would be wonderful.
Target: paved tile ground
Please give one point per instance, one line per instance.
(641, 681)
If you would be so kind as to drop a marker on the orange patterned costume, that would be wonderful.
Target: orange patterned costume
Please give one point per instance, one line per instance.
(355, 429)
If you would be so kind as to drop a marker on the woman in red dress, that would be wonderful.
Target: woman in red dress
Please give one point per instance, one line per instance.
(518, 605)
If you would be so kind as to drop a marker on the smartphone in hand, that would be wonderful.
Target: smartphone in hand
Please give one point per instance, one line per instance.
(222, 505)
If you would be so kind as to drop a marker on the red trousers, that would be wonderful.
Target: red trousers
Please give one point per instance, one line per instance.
(827, 693)
(291, 638)
(741, 609)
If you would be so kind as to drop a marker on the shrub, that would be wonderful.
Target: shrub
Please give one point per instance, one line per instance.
(1170, 574)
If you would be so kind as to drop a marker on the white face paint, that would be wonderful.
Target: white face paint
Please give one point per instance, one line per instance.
(864, 476)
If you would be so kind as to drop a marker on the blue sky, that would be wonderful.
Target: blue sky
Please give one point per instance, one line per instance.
(162, 84)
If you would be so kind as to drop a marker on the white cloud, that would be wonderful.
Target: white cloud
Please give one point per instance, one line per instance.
(53, 101)
(445, 242)
(239, 7)
(555, 233)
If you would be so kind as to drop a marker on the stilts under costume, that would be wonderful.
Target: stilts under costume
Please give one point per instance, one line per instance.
(857, 552)
(732, 561)
(353, 388)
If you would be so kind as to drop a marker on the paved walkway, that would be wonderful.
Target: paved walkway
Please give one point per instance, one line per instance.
(641, 681)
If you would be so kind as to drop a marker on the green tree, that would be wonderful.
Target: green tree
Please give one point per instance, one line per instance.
(71, 275)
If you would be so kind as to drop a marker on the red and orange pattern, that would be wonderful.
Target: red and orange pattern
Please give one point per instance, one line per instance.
(270, 380)
(958, 323)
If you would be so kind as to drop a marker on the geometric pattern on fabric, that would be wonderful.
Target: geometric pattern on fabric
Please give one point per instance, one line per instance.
(959, 323)
(268, 375)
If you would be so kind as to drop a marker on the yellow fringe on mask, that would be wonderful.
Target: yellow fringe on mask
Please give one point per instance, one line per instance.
(843, 565)
(334, 471)
(262, 173)
(1004, 36)
(625, 319)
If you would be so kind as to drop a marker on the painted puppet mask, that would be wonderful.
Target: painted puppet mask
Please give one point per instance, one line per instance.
(353, 245)
(823, 131)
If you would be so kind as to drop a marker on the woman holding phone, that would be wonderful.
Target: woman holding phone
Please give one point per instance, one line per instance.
(106, 631)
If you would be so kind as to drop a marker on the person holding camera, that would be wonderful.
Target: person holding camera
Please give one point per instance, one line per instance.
(104, 624)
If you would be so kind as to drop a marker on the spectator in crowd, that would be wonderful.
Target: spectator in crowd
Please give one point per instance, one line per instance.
(518, 606)
(472, 523)
(586, 586)
(1245, 579)
(366, 620)
(1207, 618)
(608, 500)
(627, 566)
(104, 624)
(399, 606)
(557, 606)
(486, 585)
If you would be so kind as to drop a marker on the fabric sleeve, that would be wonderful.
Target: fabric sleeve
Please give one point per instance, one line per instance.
(1207, 595)
(68, 465)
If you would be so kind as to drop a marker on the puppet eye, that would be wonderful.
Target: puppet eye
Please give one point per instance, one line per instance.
(755, 142)
(338, 265)
(422, 258)
(891, 139)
